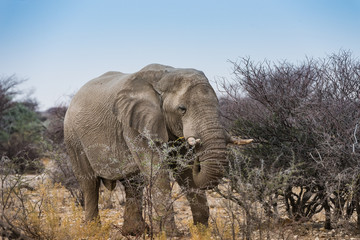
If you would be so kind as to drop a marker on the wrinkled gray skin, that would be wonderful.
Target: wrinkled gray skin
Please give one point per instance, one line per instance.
(104, 121)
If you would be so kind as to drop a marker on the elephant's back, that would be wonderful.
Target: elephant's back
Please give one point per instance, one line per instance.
(104, 84)
(93, 102)
(98, 91)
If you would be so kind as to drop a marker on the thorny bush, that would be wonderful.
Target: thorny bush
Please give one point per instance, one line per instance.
(305, 120)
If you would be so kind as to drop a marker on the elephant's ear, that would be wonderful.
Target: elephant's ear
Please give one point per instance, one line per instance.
(138, 106)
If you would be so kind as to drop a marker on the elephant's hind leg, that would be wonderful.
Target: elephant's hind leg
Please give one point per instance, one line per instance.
(109, 184)
(90, 189)
(89, 182)
(134, 223)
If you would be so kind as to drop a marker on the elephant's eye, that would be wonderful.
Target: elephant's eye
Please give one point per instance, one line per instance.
(182, 109)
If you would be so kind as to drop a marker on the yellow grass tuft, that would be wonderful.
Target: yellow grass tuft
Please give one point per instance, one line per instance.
(225, 227)
(47, 218)
(161, 236)
(200, 232)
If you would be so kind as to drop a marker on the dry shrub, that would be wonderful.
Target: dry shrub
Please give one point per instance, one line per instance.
(304, 119)
(48, 213)
(61, 171)
(226, 225)
(54, 122)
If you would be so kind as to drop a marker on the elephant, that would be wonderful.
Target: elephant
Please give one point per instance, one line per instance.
(103, 133)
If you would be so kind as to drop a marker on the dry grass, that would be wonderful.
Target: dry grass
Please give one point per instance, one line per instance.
(51, 213)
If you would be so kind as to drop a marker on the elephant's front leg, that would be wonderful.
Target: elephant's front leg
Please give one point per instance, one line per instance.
(199, 206)
(155, 172)
(163, 215)
(134, 223)
(196, 197)
(90, 187)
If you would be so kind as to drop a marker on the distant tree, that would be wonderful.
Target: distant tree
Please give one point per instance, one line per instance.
(20, 127)
(7, 92)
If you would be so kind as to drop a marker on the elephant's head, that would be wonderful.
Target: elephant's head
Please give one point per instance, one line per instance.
(175, 103)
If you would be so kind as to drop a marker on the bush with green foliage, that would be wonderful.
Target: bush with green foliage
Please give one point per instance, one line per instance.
(20, 128)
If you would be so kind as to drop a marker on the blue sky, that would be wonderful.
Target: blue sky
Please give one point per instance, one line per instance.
(60, 45)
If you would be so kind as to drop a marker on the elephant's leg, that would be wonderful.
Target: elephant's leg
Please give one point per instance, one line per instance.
(87, 179)
(90, 189)
(163, 204)
(158, 178)
(199, 206)
(109, 184)
(134, 223)
(196, 197)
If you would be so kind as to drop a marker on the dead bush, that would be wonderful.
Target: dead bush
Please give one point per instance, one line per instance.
(304, 119)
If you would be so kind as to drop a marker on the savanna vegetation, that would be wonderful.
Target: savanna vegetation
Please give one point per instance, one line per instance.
(299, 179)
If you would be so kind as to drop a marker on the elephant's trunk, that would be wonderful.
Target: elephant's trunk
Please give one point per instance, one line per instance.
(209, 166)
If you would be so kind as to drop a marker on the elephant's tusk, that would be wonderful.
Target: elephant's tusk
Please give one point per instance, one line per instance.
(192, 141)
(240, 141)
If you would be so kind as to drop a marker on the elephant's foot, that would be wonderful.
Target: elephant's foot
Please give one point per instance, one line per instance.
(134, 228)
